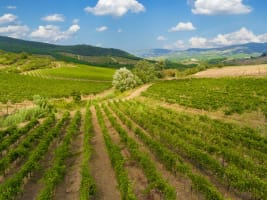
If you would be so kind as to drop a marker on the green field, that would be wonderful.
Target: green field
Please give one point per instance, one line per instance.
(231, 95)
(17, 88)
(79, 72)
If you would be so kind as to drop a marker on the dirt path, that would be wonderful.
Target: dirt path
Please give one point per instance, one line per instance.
(137, 92)
(226, 193)
(135, 173)
(69, 188)
(232, 71)
(182, 185)
(101, 168)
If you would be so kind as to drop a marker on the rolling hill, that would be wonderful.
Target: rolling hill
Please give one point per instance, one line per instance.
(86, 54)
(228, 52)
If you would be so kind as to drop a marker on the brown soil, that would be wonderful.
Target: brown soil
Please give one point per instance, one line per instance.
(181, 185)
(249, 70)
(137, 92)
(101, 168)
(224, 191)
(136, 175)
(69, 188)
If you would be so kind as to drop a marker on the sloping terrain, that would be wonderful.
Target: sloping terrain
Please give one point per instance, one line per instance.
(77, 53)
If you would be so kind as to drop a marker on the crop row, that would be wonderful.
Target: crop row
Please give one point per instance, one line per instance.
(171, 161)
(87, 187)
(178, 142)
(56, 172)
(23, 149)
(117, 161)
(17, 88)
(213, 144)
(234, 95)
(14, 185)
(13, 134)
(154, 177)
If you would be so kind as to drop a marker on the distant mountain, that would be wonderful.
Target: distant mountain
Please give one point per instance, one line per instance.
(76, 53)
(228, 52)
(152, 53)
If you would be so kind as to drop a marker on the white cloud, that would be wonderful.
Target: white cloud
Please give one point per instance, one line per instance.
(54, 18)
(15, 31)
(161, 38)
(115, 8)
(120, 30)
(102, 29)
(7, 18)
(183, 26)
(238, 37)
(199, 42)
(11, 7)
(53, 33)
(220, 7)
(241, 36)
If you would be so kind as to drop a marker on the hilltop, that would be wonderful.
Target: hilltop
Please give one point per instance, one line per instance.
(85, 54)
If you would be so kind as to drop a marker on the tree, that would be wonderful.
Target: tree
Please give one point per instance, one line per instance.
(145, 71)
(124, 79)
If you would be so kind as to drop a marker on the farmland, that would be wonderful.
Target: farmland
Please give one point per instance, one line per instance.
(81, 72)
(17, 88)
(231, 95)
(132, 145)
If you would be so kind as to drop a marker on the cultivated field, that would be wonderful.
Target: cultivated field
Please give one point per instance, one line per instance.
(168, 140)
(78, 72)
(249, 70)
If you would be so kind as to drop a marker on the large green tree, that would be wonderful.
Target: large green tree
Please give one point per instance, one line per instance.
(145, 71)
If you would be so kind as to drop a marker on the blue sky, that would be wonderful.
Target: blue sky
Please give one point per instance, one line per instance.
(136, 24)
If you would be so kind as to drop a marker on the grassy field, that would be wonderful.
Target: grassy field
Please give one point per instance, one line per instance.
(79, 72)
(231, 95)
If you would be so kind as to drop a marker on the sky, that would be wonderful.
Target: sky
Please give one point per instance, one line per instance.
(136, 24)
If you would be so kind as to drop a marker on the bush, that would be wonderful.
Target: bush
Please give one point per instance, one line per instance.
(124, 79)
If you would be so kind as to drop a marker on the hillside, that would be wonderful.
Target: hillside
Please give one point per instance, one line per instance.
(77, 53)
(200, 54)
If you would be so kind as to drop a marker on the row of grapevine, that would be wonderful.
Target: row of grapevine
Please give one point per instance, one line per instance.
(154, 177)
(87, 187)
(56, 172)
(16, 88)
(117, 161)
(171, 161)
(14, 185)
(12, 135)
(23, 149)
(244, 180)
(212, 145)
(214, 94)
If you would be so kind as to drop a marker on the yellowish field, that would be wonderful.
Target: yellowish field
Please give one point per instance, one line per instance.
(249, 70)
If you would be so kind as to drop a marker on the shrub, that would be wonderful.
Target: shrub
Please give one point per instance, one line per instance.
(124, 79)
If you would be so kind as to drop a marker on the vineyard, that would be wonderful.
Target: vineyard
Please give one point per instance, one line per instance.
(80, 72)
(16, 88)
(231, 95)
(111, 149)
(126, 146)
